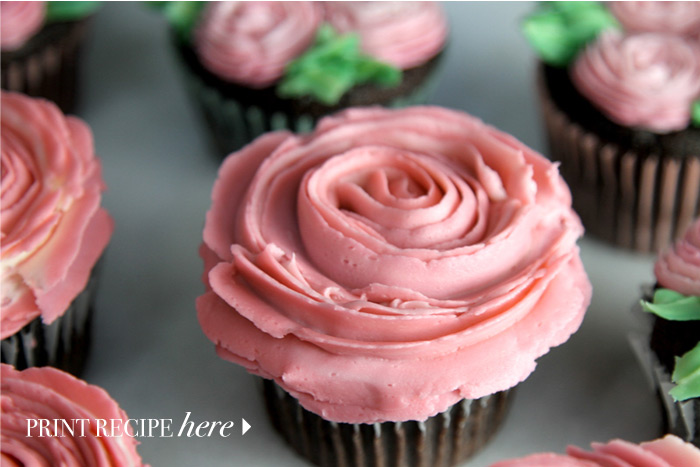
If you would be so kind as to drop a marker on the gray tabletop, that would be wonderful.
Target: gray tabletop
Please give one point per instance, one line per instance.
(149, 351)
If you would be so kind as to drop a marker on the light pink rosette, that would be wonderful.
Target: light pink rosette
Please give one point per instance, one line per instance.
(390, 263)
(669, 451)
(48, 393)
(678, 268)
(251, 42)
(666, 17)
(53, 229)
(18, 22)
(404, 34)
(645, 80)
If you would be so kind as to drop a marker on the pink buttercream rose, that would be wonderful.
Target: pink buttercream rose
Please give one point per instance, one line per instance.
(644, 80)
(53, 228)
(678, 268)
(251, 42)
(18, 22)
(666, 17)
(404, 34)
(669, 451)
(47, 393)
(390, 263)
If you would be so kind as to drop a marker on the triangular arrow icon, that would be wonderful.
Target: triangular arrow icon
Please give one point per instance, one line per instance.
(245, 427)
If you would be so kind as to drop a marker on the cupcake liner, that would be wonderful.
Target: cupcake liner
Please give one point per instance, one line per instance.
(62, 344)
(47, 66)
(233, 122)
(445, 439)
(628, 199)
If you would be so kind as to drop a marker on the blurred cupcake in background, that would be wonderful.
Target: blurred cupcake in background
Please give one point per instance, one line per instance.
(41, 45)
(53, 233)
(253, 67)
(620, 94)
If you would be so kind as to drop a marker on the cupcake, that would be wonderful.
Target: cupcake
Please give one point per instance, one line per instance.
(392, 276)
(668, 451)
(620, 94)
(52, 418)
(252, 67)
(53, 233)
(673, 352)
(41, 45)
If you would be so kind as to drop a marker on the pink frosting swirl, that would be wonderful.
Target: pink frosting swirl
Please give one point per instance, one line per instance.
(18, 22)
(404, 34)
(390, 263)
(667, 17)
(669, 451)
(645, 80)
(48, 393)
(251, 42)
(53, 228)
(678, 268)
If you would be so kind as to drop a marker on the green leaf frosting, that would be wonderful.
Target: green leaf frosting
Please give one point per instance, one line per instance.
(69, 11)
(558, 30)
(695, 113)
(686, 375)
(332, 66)
(182, 16)
(671, 305)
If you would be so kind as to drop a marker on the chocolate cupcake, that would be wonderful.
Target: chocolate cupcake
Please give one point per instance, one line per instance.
(373, 273)
(620, 106)
(41, 46)
(53, 233)
(302, 60)
(52, 418)
(673, 349)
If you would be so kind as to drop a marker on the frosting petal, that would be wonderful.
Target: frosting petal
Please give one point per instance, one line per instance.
(678, 268)
(19, 21)
(665, 17)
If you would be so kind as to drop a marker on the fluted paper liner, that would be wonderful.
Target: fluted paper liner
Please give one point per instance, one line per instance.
(445, 439)
(634, 201)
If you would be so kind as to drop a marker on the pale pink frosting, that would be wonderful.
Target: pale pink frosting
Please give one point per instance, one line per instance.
(251, 42)
(53, 228)
(670, 17)
(678, 268)
(390, 263)
(644, 80)
(48, 393)
(18, 22)
(669, 451)
(404, 34)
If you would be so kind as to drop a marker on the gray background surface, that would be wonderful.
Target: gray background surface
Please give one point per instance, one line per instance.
(149, 351)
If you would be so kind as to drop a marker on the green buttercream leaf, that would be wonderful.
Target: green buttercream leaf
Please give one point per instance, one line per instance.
(686, 375)
(695, 113)
(332, 66)
(559, 30)
(671, 305)
(69, 11)
(182, 16)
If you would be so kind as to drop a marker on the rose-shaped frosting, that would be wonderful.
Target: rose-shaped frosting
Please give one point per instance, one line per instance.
(18, 22)
(251, 42)
(53, 229)
(645, 80)
(678, 268)
(390, 263)
(669, 451)
(48, 393)
(404, 34)
(668, 17)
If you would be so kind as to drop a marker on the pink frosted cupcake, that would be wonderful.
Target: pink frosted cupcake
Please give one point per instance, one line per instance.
(53, 232)
(41, 45)
(47, 394)
(373, 273)
(253, 67)
(668, 451)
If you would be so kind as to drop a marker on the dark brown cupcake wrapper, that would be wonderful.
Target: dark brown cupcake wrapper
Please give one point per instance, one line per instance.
(633, 201)
(63, 344)
(445, 439)
(47, 66)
